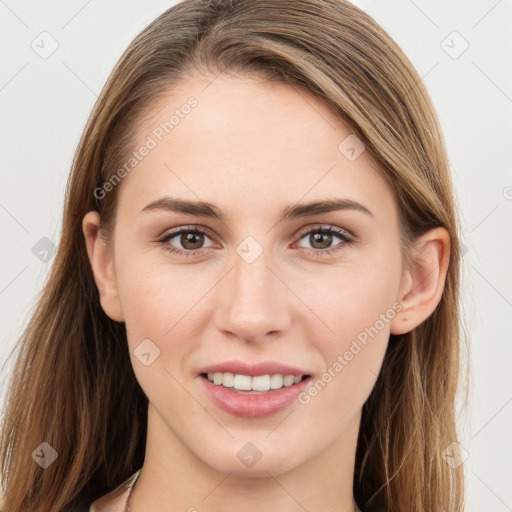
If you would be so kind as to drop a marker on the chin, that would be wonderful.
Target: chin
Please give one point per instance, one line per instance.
(238, 462)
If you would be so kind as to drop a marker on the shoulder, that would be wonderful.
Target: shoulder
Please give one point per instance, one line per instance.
(115, 500)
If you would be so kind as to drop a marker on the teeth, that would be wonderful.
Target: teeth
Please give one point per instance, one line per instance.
(276, 381)
(228, 380)
(256, 383)
(242, 382)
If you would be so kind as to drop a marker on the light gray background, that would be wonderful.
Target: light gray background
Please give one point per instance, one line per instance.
(46, 101)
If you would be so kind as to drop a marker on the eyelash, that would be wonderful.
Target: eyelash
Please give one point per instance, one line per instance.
(340, 233)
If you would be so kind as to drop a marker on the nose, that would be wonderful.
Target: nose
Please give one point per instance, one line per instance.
(252, 300)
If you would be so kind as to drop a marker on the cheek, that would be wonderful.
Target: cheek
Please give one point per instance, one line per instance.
(156, 297)
(358, 307)
(159, 305)
(166, 305)
(353, 297)
(352, 360)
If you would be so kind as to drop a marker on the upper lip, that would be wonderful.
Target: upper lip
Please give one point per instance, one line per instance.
(261, 368)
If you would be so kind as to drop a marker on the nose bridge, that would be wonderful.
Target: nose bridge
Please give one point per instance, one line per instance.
(251, 302)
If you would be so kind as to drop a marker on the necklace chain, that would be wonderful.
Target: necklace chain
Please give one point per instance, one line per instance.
(127, 504)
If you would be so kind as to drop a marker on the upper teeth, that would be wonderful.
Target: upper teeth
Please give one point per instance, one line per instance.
(256, 383)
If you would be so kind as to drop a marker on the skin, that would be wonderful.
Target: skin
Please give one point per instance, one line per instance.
(288, 306)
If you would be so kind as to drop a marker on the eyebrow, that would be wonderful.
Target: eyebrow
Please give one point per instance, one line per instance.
(206, 209)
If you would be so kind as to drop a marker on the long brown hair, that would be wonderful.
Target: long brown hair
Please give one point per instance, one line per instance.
(73, 385)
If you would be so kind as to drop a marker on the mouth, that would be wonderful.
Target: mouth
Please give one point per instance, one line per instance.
(252, 397)
(254, 385)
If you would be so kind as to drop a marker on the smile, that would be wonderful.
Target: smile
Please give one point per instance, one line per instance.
(255, 384)
(253, 397)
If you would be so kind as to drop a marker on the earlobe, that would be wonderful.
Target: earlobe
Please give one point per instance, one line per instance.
(423, 282)
(102, 265)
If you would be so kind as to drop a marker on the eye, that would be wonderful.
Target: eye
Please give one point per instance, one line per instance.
(321, 240)
(190, 239)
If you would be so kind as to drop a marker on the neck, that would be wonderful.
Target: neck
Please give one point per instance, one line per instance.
(174, 476)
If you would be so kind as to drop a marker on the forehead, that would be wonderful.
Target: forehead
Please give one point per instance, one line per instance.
(238, 112)
(251, 142)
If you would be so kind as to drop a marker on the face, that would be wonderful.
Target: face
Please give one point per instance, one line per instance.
(314, 291)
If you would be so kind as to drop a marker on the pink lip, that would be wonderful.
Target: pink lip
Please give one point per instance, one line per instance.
(261, 368)
(253, 406)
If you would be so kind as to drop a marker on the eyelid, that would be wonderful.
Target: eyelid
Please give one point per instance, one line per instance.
(169, 233)
(319, 226)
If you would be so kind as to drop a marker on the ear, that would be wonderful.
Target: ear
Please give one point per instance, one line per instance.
(101, 258)
(423, 280)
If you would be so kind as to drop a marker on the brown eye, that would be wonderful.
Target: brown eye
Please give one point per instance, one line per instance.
(320, 240)
(186, 241)
(191, 241)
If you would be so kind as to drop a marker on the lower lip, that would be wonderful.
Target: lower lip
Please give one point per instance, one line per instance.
(253, 405)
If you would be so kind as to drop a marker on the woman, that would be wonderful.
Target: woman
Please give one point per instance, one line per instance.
(255, 298)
